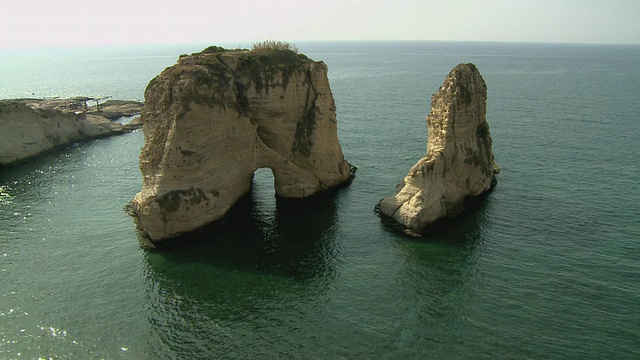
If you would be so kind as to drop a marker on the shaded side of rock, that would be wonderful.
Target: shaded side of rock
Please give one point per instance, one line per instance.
(215, 117)
(459, 162)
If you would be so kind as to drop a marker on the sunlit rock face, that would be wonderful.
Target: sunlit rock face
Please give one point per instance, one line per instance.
(215, 117)
(459, 162)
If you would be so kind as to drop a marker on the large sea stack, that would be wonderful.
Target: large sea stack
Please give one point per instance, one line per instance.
(217, 116)
(459, 161)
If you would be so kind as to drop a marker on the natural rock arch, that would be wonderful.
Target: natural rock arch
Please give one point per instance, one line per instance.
(214, 118)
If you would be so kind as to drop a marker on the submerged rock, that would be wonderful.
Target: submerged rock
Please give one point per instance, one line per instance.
(217, 116)
(459, 162)
(30, 127)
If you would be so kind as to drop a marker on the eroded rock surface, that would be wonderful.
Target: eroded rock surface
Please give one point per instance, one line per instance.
(459, 162)
(217, 116)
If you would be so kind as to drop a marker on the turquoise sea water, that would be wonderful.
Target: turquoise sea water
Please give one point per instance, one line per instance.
(546, 267)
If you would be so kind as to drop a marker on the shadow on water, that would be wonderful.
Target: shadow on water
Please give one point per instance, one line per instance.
(460, 230)
(466, 228)
(242, 281)
(293, 238)
(460, 235)
(438, 278)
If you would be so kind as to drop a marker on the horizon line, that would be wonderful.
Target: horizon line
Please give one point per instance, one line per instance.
(226, 42)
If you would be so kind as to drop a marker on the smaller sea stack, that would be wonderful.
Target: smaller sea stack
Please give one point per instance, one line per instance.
(459, 161)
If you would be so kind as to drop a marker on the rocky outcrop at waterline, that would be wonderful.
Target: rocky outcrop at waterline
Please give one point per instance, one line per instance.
(215, 117)
(30, 127)
(459, 162)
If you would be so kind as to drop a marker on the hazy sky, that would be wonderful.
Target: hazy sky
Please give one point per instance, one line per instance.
(38, 23)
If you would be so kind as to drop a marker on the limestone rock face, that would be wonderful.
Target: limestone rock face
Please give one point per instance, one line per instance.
(459, 160)
(217, 116)
(27, 130)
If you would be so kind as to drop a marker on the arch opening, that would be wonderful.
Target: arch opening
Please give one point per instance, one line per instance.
(263, 192)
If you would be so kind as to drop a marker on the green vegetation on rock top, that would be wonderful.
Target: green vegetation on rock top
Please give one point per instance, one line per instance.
(274, 45)
(213, 49)
(224, 69)
(264, 55)
(260, 64)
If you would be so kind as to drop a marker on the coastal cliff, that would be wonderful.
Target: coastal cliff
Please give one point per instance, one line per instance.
(217, 116)
(459, 162)
(30, 127)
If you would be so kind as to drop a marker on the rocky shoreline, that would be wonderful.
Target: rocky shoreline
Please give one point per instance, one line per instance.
(31, 127)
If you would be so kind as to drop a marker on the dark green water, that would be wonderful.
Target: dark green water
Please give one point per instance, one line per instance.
(546, 267)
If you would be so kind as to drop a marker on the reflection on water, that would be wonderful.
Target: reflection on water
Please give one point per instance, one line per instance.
(5, 197)
(450, 250)
(240, 286)
(438, 278)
